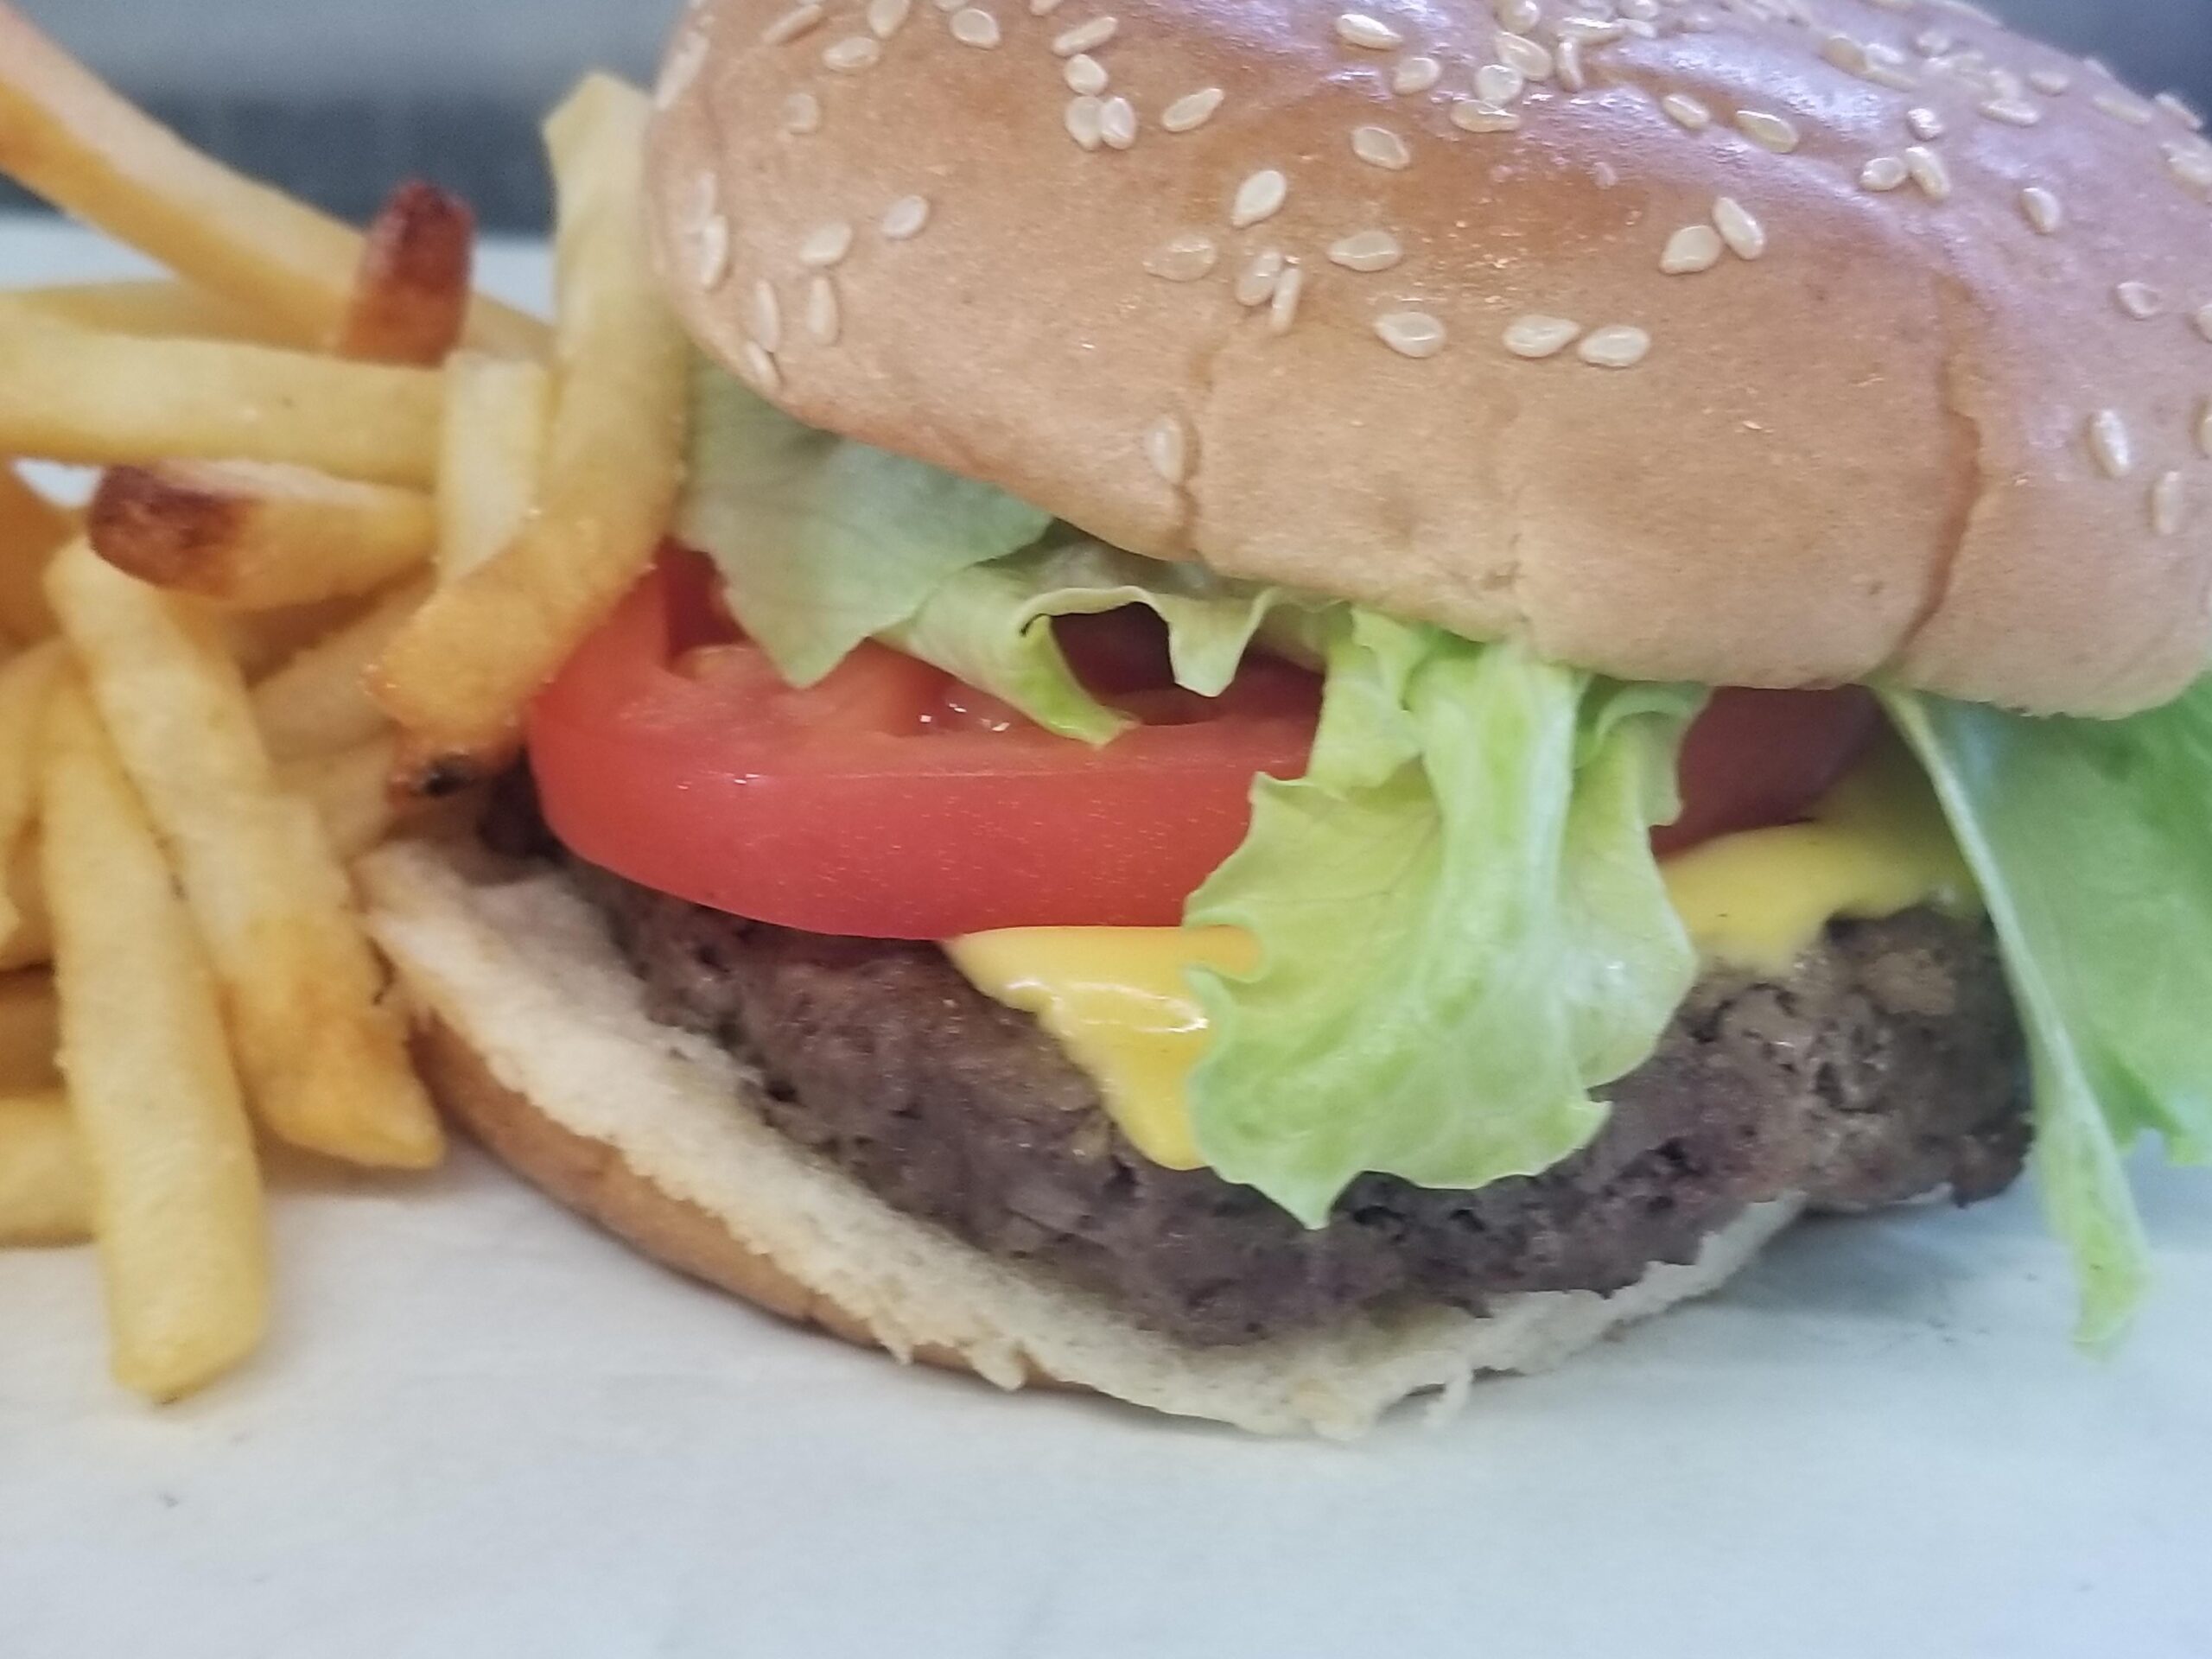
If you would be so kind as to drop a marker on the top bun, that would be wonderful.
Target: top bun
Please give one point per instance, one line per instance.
(1886, 343)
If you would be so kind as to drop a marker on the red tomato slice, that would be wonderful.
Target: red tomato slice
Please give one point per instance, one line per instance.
(892, 802)
(889, 801)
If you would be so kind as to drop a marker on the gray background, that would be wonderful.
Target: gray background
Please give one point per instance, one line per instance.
(337, 98)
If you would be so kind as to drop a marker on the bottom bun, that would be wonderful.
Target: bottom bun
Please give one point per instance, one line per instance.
(535, 1035)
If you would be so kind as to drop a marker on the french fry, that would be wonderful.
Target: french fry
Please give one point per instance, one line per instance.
(262, 642)
(31, 945)
(102, 399)
(456, 679)
(66, 135)
(26, 686)
(46, 1194)
(410, 298)
(319, 702)
(256, 536)
(497, 411)
(324, 1058)
(350, 793)
(30, 1034)
(156, 308)
(31, 527)
(177, 1193)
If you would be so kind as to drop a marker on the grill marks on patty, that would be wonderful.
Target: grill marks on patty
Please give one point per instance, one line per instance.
(1888, 1066)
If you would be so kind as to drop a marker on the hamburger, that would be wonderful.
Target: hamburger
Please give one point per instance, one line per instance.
(1347, 692)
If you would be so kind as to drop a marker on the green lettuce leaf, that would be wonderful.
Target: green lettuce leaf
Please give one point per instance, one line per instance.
(1462, 928)
(823, 542)
(991, 627)
(2093, 842)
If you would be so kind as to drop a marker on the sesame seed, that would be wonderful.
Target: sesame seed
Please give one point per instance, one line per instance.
(1045, 8)
(1926, 124)
(1532, 58)
(761, 367)
(792, 24)
(1472, 115)
(2192, 169)
(2098, 65)
(1929, 171)
(1359, 28)
(2204, 428)
(886, 17)
(2140, 300)
(2204, 323)
(1167, 447)
(1589, 31)
(904, 219)
(2110, 445)
(972, 26)
(826, 245)
(1537, 337)
(2123, 108)
(1084, 74)
(1117, 122)
(1767, 132)
(1884, 173)
(696, 204)
(824, 320)
(1616, 346)
(1744, 234)
(2051, 83)
(1380, 147)
(853, 54)
(948, 5)
(1643, 10)
(1368, 251)
(683, 66)
(1567, 60)
(1846, 53)
(1411, 334)
(712, 253)
(767, 317)
(2044, 209)
(1255, 284)
(1193, 110)
(1261, 196)
(1085, 116)
(1519, 17)
(802, 113)
(2013, 113)
(1183, 259)
(1933, 42)
(1687, 111)
(1416, 74)
(1086, 37)
(1889, 75)
(1499, 83)
(2169, 504)
(1282, 310)
(2174, 104)
(1967, 8)
(1693, 248)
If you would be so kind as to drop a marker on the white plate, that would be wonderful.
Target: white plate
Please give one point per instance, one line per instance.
(482, 1429)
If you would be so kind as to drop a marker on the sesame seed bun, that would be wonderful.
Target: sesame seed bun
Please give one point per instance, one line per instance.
(535, 1035)
(1707, 342)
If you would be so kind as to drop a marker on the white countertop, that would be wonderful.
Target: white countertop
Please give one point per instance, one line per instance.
(482, 1429)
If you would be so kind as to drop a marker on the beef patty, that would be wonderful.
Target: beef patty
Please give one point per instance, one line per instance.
(1888, 1066)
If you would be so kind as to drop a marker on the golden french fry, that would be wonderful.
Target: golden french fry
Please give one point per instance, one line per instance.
(67, 137)
(26, 685)
(324, 1058)
(457, 678)
(177, 1192)
(257, 535)
(155, 308)
(262, 642)
(319, 702)
(31, 945)
(350, 792)
(106, 399)
(411, 300)
(497, 411)
(31, 527)
(30, 1034)
(46, 1194)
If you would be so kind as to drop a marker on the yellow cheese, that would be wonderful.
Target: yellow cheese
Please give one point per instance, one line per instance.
(1119, 1000)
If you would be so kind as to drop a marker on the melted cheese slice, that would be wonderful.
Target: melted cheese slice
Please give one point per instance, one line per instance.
(1119, 1000)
